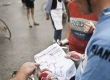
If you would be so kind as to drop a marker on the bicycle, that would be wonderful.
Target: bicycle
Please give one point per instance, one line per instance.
(43, 7)
(4, 29)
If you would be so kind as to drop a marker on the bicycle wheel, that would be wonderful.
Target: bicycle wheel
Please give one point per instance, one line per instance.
(5, 30)
(43, 7)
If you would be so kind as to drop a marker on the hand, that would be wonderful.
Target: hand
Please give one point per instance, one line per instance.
(27, 69)
(65, 14)
(47, 16)
(74, 56)
(43, 76)
(64, 42)
(89, 27)
(51, 77)
(68, 56)
(45, 69)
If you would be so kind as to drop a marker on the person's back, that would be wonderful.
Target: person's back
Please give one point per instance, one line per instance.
(96, 64)
(99, 52)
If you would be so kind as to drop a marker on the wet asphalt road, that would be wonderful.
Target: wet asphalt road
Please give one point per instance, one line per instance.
(25, 42)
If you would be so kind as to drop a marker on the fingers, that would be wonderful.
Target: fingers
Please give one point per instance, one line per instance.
(69, 53)
(47, 16)
(34, 71)
(45, 69)
(76, 56)
(65, 41)
(86, 27)
(89, 27)
(65, 14)
(36, 64)
(67, 56)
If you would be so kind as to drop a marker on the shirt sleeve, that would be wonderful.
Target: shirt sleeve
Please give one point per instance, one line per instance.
(63, 6)
(48, 6)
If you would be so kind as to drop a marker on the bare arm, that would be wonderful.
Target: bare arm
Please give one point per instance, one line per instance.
(27, 69)
(68, 31)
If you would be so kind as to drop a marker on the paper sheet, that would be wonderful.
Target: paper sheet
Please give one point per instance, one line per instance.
(53, 59)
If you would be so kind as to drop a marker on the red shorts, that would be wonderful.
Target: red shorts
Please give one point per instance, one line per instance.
(77, 45)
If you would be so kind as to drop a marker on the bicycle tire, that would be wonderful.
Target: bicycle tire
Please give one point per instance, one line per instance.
(42, 7)
(5, 30)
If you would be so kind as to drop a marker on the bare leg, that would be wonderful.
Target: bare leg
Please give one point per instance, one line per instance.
(32, 14)
(28, 16)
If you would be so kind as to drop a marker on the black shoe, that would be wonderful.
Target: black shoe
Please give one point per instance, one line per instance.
(30, 26)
